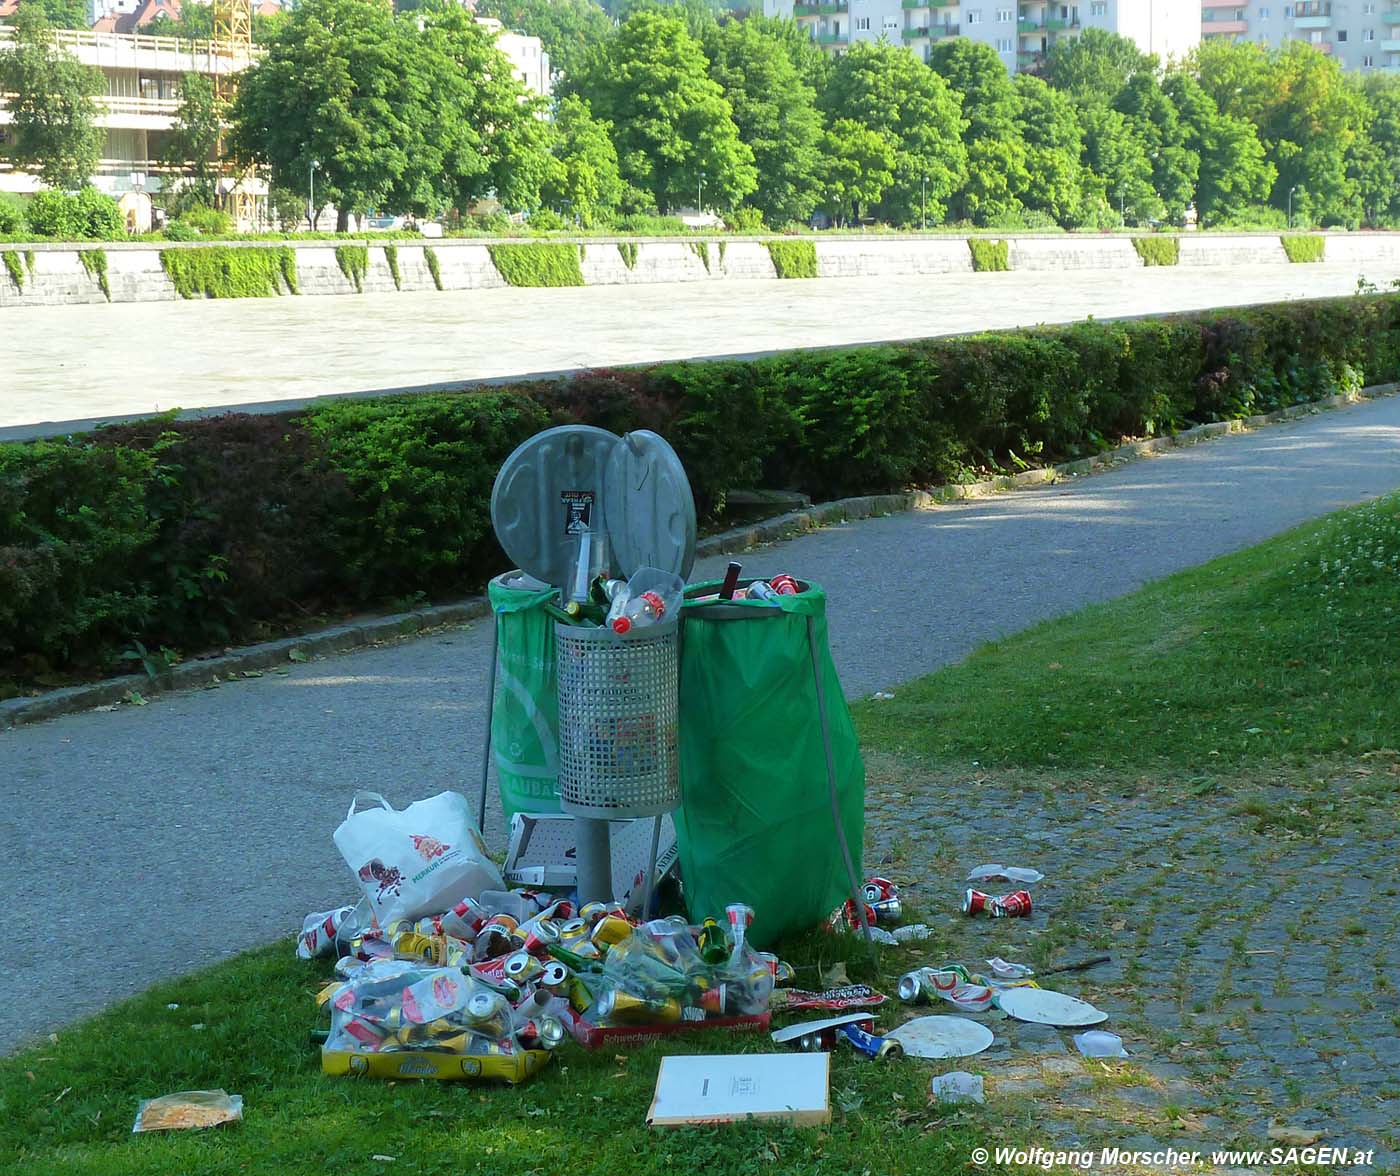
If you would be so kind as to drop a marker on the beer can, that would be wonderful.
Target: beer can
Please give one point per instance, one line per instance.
(784, 585)
(619, 1006)
(885, 1048)
(555, 978)
(591, 912)
(888, 910)
(488, 1014)
(913, 987)
(1017, 904)
(611, 929)
(551, 1033)
(539, 936)
(521, 967)
(879, 889)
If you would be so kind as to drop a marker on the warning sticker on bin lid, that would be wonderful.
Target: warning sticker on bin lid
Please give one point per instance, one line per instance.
(576, 477)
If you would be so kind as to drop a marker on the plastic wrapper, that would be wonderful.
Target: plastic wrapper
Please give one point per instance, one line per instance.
(390, 1005)
(188, 1110)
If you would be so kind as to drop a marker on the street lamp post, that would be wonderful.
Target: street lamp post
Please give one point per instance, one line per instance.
(1290, 204)
(923, 205)
(311, 195)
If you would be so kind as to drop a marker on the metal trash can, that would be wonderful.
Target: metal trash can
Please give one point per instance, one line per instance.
(619, 720)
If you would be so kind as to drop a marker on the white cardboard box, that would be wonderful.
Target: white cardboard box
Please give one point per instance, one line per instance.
(728, 1088)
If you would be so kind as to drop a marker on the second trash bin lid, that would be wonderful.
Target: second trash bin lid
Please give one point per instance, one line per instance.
(573, 477)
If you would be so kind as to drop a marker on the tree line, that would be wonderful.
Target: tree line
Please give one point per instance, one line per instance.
(416, 111)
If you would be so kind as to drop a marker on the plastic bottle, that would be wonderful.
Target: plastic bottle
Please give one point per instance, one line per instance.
(515, 903)
(644, 609)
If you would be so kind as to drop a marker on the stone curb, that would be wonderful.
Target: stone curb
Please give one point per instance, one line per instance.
(16, 712)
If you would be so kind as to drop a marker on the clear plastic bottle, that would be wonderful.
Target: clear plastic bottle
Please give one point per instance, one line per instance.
(646, 608)
(652, 596)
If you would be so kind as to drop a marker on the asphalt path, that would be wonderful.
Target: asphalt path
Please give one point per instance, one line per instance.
(144, 842)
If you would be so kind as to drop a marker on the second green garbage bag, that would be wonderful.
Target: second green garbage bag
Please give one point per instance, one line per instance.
(755, 824)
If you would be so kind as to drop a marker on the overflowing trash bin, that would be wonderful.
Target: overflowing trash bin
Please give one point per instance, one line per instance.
(773, 785)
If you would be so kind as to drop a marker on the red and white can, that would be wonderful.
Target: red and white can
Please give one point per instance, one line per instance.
(1005, 906)
(784, 585)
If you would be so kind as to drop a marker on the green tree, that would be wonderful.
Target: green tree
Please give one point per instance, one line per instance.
(672, 125)
(336, 90)
(1096, 65)
(997, 162)
(855, 167)
(1311, 126)
(63, 14)
(192, 145)
(1376, 157)
(53, 130)
(1056, 179)
(1234, 174)
(775, 111)
(566, 28)
(886, 89)
(1154, 116)
(584, 180)
(480, 121)
(196, 23)
(1121, 170)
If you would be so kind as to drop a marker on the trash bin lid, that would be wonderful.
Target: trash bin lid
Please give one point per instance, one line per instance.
(648, 505)
(545, 492)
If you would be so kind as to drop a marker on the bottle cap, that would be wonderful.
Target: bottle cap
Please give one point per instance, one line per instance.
(622, 624)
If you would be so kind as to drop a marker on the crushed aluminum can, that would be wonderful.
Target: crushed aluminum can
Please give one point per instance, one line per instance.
(321, 932)
(555, 978)
(1004, 906)
(521, 967)
(784, 585)
(870, 1045)
(844, 917)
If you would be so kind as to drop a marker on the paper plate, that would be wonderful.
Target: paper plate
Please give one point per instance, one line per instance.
(1043, 1007)
(942, 1037)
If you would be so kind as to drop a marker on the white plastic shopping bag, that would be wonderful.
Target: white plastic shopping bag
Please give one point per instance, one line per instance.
(418, 861)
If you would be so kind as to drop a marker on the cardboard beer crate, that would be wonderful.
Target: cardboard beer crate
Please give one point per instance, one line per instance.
(445, 1067)
(592, 1036)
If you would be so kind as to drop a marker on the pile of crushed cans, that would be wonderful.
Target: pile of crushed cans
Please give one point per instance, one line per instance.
(478, 992)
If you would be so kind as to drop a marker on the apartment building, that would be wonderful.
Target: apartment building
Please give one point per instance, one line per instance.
(137, 111)
(1021, 31)
(1361, 34)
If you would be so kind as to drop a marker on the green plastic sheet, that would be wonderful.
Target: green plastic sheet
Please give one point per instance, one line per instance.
(525, 721)
(755, 824)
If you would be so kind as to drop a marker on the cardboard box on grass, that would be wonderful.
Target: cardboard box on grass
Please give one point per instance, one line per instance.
(729, 1088)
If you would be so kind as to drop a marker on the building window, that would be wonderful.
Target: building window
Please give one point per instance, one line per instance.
(1098, 8)
(974, 16)
(1368, 10)
(1005, 15)
(1004, 45)
(862, 24)
(1341, 36)
(1367, 62)
(1263, 14)
(1369, 35)
(1287, 11)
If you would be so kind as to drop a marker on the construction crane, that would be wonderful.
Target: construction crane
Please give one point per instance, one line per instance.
(232, 53)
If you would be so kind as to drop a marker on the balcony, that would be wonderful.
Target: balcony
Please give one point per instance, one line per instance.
(164, 54)
(833, 38)
(913, 5)
(916, 34)
(1314, 15)
(1391, 16)
(1059, 26)
(1390, 46)
(826, 8)
(1219, 28)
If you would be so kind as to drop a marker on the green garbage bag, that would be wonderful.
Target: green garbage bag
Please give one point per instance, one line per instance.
(755, 824)
(525, 721)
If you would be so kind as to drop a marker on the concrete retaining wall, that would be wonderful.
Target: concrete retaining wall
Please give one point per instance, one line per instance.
(134, 271)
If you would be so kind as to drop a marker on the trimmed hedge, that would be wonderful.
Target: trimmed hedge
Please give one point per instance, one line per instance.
(231, 271)
(793, 259)
(989, 256)
(192, 534)
(1303, 247)
(1158, 250)
(538, 263)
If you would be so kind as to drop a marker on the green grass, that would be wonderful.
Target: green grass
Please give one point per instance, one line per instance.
(68, 1107)
(1304, 247)
(1283, 652)
(793, 259)
(221, 271)
(14, 265)
(430, 257)
(95, 262)
(353, 261)
(989, 256)
(1158, 250)
(537, 264)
